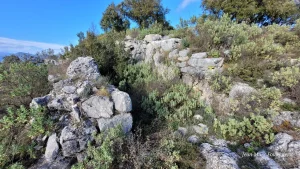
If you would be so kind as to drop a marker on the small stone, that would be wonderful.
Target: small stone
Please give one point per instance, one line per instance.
(52, 148)
(198, 117)
(183, 59)
(194, 139)
(201, 129)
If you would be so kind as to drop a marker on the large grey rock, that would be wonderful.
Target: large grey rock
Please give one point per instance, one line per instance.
(137, 49)
(57, 87)
(98, 106)
(285, 150)
(84, 68)
(70, 148)
(206, 62)
(152, 37)
(184, 52)
(168, 45)
(240, 90)
(158, 57)
(265, 161)
(74, 140)
(150, 51)
(84, 89)
(287, 116)
(121, 101)
(181, 64)
(219, 157)
(174, 54)
(40, 101)
(125, 120)
(56, 104)
(201, 55)
(52, 148)
(69, 89)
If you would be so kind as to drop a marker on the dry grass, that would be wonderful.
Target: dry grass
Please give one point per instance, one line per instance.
(103, 92)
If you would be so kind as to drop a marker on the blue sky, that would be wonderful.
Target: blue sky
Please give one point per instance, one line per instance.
(33, 25)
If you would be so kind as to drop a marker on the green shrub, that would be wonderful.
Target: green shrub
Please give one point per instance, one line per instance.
(22, 82)
(18, 129)
(223, 33)
(287, 77)
(16, 166)
(266, 101)
(101, 155)
(136, 75)
(176, 105)
(255, 128)
(221, 83)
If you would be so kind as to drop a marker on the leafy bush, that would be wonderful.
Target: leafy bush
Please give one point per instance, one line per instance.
(287, 77)
(22, 82)
(136, 75)
(255, 128)
(223, 33)
(176, 105)
(265, 101)
(221, 83)
(100, 156)
(18, 129)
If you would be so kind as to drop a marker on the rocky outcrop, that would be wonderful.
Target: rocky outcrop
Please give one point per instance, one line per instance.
(39, 101)
(240, 90)
(98, 107)
(156, 49)
(124, 120)
(265, 161)
(83, 67)
(79, 111)
(218, 155)
(121, 101)
(285, 150)
(286, 116)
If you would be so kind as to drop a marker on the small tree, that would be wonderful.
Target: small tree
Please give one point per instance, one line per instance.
(144, 12)
(113, 19)
(264, 12)
(11, 59)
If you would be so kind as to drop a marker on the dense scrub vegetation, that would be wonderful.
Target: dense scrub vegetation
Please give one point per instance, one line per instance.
(253, 41)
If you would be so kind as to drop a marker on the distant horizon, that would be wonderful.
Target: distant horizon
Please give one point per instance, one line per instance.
(34, 28)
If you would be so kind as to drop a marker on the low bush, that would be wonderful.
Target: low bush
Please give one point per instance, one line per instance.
(286, 77)
(22, 82)
(265, 101)
(176, 105)
(255, 128)
(221, 83)
(18, 131)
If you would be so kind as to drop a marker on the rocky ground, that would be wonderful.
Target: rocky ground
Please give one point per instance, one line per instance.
(82, 111)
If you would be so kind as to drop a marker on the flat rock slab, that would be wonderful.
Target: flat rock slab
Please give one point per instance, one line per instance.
(98, 107)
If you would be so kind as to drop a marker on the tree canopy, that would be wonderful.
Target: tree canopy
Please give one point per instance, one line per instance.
(264, 12)
(113, 19)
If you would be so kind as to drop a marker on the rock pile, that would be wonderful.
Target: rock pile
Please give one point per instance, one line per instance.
(80, 112)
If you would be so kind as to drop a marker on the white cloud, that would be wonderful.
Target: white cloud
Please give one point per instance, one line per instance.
(185, 3)
(14, 46)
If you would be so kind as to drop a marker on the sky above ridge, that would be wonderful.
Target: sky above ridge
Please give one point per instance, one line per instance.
(34, 25)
